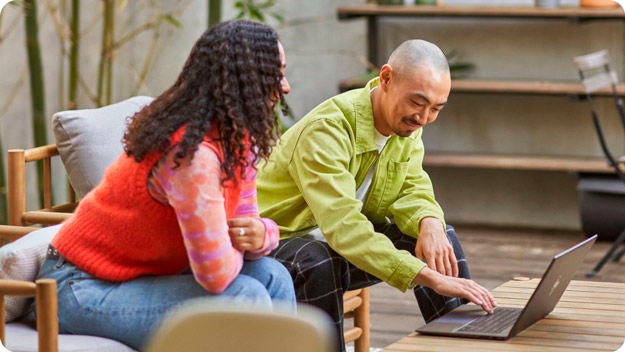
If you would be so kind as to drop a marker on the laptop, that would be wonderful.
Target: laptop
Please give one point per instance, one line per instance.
(470, 320)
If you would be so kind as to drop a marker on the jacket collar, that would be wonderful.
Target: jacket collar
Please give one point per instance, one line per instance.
(363, 117)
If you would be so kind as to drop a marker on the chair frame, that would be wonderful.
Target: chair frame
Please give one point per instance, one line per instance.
(44, 291)
(356, 302)
(356, 305)
(601, 75)
(16, 181)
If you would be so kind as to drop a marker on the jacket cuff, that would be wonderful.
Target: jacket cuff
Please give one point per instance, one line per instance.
(405, 273)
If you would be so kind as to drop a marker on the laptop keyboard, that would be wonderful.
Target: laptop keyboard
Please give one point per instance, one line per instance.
(497, 322)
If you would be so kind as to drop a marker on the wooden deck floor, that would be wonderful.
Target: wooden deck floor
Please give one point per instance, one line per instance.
(495, 256)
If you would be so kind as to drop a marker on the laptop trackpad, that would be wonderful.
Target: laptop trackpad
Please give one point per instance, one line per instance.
(455, 319)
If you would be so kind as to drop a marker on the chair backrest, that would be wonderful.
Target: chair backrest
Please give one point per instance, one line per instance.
(596, 74)
(203, 327)
(595, 71)
(89, 140)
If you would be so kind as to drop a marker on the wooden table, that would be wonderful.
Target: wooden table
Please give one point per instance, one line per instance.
(589, 317)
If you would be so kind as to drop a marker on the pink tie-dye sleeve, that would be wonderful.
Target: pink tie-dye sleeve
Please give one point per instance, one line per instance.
(194, 191)
(248, 206)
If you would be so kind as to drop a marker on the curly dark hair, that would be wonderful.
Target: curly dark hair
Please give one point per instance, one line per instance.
(230, 81)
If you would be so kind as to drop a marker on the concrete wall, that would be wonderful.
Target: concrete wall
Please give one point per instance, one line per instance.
(322, 51)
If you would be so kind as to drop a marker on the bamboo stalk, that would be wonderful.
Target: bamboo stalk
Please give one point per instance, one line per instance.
(105, 56)
(36, 81)
(110, 40)
(3, 189)
(73, 55)
(214, 12)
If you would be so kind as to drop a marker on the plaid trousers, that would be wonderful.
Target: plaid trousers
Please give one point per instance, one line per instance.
(321, 276)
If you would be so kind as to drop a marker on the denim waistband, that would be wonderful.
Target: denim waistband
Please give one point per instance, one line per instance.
(53, 253)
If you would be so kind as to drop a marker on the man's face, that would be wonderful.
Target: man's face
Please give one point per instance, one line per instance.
(411, 100)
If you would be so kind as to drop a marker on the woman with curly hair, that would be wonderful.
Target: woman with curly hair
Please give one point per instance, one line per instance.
(175, 218)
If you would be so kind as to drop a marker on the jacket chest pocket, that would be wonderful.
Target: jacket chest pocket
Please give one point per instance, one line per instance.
(386, 188)
(395, 176)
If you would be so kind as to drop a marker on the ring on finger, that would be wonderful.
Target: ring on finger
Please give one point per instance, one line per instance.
(241, 231)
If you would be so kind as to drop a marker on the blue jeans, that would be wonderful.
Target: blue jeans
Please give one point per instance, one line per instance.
(130, 311)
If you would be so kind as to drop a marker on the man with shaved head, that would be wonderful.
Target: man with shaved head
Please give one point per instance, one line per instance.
(355, 207)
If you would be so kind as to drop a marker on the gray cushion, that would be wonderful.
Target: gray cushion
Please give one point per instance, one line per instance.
(23, 338)
(89, 140)
(21, 260)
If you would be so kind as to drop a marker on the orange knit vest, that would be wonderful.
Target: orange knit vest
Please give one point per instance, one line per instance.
(119, 232)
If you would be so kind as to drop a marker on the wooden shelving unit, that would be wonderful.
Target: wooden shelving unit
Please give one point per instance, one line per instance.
(563, 12)
(508, 87)
(372, 12)
(517, 162)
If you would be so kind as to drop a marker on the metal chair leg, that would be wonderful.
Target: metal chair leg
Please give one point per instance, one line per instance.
(619, 255)
(617, 243)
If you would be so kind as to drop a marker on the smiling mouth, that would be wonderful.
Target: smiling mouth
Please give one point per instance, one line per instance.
(414, 125)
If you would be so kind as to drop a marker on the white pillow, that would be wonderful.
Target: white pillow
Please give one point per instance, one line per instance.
(21, 260)
(89, 140)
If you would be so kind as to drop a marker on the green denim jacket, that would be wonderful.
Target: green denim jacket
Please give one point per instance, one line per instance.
(310, 181)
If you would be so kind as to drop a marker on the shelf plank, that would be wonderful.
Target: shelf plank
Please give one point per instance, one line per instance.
(562, 12)
(527, 87)
(508, 87)
(517, 162)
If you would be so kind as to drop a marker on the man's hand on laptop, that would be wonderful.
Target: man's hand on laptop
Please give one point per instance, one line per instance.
(434, 248)
(456, 287)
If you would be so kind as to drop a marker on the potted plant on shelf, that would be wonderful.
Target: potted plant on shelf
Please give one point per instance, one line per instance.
(390, 2)
(406, 2)
(597, 3)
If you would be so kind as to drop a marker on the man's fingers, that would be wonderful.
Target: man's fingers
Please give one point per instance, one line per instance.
(454, 268)
(441, 265)
(419, 253)
(453, 264)
(449, 270)
(447, 264)
(482, 297)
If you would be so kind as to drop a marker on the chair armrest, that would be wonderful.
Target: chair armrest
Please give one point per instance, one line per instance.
(11, 233)
(44, 291)
(16, 182)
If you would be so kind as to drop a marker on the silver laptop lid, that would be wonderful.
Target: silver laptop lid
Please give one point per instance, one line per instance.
(554, 282)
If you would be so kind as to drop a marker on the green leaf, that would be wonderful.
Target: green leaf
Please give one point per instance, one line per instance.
(256, 14)
(461, 66)
(278, 17)
(172, 20)
(265, 5)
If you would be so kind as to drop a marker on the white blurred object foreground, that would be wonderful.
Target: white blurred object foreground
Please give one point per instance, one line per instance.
(2, 348)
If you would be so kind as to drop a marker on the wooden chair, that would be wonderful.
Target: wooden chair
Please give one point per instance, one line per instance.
(22, 221)
(44, 290)
(20, 262)
(200, 327)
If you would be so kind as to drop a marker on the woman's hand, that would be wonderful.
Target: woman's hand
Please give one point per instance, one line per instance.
(246, 234)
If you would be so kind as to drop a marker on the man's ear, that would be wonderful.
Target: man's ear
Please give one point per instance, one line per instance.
(386, 74)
